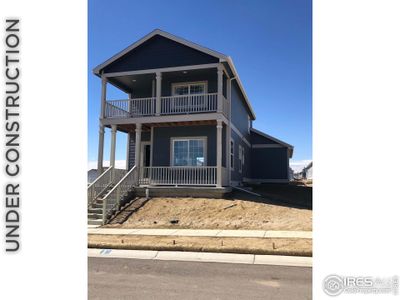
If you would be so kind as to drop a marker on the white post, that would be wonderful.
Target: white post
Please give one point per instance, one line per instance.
(128, 138)
(219, 153)
(138, 140)
(229, 129)
(158, 93)
(101, 151)
(103, 97)
(220, 88)
(113, 143)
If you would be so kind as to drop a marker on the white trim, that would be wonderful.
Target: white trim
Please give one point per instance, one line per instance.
(222, 58)
(240, 135)
(173, 139)
(271, 138)
(152, 143)
(262, 146)
(188, 84)
(166, 119)
(161, 70)
(128, 138)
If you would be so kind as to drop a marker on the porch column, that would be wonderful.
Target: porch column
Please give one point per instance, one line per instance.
(113, 143)
(138, 140)
(219, 153)
(158, 93)
(101, 150)
(103, 97)
(229, 130)
(128, 138)
(220, 88)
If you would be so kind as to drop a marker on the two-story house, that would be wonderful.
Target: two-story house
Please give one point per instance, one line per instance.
(188, 122)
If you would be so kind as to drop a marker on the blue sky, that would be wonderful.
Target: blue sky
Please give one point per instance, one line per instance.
(269, 42)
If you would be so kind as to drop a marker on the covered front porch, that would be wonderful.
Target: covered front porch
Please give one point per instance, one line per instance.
(177, 154)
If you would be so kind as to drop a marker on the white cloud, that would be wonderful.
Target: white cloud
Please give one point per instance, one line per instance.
(119, 164)
(299, 165)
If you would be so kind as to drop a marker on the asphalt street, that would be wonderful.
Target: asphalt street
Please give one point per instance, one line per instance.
(125, 278)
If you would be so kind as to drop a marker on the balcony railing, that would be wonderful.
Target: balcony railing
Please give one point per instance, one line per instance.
(171, 105)
(178, 176)
(139, 107)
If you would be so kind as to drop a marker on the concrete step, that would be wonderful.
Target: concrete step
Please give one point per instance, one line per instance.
(92, 216)
(95, 222)
(95, 211)
(95, 205)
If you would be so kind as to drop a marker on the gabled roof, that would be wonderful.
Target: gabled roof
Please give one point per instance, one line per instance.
(290, 147)
(222, 58)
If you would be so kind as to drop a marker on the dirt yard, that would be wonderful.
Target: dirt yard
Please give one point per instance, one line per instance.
(298, 247)
(239, 212)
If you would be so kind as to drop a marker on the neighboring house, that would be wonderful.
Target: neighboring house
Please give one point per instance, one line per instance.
(187, 117)
(306, 173)
(308, 170)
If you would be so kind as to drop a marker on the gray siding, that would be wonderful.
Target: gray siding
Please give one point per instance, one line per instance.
(239, 116)
(269, 163)
(159, 52)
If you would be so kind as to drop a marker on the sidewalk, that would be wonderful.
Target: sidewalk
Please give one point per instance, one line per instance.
(203, 233)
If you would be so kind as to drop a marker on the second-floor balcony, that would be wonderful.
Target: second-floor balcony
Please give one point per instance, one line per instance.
(169, 105)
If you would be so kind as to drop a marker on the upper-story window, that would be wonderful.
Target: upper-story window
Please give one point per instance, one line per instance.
(189, 88)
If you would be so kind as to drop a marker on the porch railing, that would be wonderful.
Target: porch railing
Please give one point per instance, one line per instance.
(178, 176)
(112, 200)
(108, 177)
(170, 105)
(187, 104)
(97, 186)
(138, 107)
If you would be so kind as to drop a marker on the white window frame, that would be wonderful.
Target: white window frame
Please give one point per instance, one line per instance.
(232, 155)
(172, 151)
(188, 84)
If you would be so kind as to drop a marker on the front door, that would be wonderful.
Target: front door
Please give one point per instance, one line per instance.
(145, 159)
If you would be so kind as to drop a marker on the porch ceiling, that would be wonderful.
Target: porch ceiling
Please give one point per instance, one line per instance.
(143, 82)
(130, 128)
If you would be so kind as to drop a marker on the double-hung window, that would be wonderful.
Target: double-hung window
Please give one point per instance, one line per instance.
(191, 96)
(189, 152)
(189, 88)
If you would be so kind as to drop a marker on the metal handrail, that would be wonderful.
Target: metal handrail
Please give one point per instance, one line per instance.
(99, 184)
(113, 199)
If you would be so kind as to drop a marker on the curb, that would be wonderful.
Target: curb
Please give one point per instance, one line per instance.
(275, 260)
(122, 244)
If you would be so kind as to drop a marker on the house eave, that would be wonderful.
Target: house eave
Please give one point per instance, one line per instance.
(290, 147)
